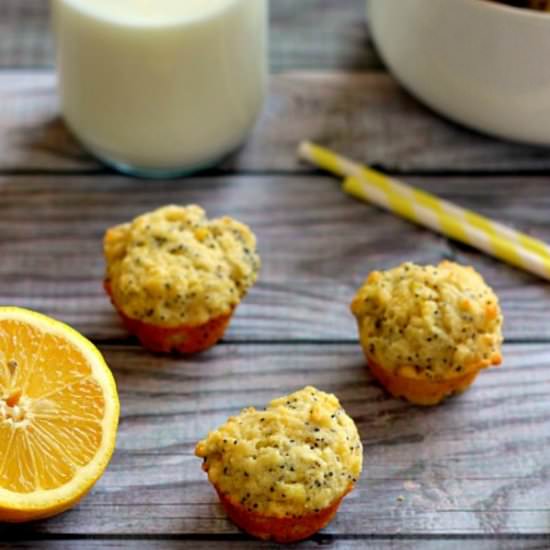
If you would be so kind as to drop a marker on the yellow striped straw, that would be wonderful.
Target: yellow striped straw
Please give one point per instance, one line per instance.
(425, 209)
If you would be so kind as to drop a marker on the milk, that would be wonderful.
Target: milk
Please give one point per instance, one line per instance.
(161, 86)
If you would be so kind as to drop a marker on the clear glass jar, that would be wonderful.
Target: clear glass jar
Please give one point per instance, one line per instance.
(160, 88)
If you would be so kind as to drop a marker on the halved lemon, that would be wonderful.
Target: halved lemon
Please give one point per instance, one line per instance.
(58, 415)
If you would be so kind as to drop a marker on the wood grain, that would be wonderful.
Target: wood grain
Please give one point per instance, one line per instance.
(477, 465)
(366, 116)
(309, 34)
(24, 31)
(317, 247)
(321, 34)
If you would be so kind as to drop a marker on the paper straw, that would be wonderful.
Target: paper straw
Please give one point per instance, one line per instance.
(444, 217)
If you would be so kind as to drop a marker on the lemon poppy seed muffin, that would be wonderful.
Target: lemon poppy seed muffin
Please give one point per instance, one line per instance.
(427, 331)
(282, 472)
(175, 277)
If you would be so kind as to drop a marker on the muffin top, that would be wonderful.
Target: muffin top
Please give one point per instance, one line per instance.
(298, 456)
(174, 267)
(434, 322)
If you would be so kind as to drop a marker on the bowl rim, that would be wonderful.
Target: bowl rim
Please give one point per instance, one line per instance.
(514, 11)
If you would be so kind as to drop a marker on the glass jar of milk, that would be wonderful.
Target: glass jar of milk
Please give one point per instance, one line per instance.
(161, 88)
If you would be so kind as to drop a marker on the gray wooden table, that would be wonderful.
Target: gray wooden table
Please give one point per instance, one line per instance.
(472, 473)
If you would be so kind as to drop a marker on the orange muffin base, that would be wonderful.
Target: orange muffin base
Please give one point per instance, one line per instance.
(282, 530)
(184, 339)
(421, 391)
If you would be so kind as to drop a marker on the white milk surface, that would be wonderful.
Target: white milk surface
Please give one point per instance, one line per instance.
(150, 12)
(161, 84)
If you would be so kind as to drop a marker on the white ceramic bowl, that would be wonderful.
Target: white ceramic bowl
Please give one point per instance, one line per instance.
(483, 64)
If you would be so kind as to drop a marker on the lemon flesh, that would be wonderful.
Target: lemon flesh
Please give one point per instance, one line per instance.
(59, 414)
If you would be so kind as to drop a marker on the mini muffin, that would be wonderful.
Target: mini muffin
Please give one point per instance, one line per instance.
(428, 331)
(176, 277)
(281, 473)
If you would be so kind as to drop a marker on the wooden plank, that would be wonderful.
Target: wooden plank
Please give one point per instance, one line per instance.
(304, 35)
(321, 34)
(317, 247)
(366, 116)
(25, 33)
(512, 543)
(477, 465)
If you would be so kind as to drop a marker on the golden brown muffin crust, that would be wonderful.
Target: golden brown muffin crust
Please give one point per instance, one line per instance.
(435, 322)
(174, 267)
(298, 456)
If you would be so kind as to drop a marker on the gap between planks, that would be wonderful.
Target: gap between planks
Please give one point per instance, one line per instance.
(132, 344)
(305, 171)
(315, 540)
